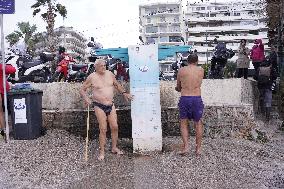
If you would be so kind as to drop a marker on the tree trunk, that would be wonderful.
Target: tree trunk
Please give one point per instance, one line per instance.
(50, 27)
(50, 32)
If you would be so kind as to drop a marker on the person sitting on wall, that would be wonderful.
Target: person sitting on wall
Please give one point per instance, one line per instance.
(102, 82)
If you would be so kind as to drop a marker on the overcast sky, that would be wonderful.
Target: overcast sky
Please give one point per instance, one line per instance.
(113, 23)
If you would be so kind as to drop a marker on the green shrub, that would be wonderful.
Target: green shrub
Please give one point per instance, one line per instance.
(206, 68)
(230, 69)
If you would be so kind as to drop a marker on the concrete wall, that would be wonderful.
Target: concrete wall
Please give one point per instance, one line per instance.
(65, 96)
(230, 105)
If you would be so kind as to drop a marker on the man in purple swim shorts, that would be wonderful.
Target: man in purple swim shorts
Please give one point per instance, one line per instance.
(189, 80)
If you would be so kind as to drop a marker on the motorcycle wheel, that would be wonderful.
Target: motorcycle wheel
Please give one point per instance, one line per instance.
(61, 78)
(46, 76)
(55, 77)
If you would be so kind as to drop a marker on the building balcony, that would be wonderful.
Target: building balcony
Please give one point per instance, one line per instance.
(224, 28)
(168, 13)
(222, 18)
(152, 34)
(162, 23)
(170, 43)
(226, 38)
(161, 14)
(167, 33)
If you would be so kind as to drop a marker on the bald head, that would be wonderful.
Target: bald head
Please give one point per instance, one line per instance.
(100, 66)
(100, 62)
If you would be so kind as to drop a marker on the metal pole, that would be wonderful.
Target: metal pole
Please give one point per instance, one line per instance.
(280, 41)
(207, 55)
(64, 32)
(4, 78)
(207, 48)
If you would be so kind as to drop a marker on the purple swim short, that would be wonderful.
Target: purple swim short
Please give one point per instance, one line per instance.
(191, 107)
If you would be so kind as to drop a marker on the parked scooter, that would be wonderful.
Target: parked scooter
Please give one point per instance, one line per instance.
(61, 72)
(219, 60)
(28, 69)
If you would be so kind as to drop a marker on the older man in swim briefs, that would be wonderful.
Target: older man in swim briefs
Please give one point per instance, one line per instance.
(189, 79)
(102, 82)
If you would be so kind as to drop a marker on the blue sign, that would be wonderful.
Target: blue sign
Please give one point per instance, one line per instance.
(7, 6)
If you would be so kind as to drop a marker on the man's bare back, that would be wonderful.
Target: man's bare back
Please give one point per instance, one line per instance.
(189, 80)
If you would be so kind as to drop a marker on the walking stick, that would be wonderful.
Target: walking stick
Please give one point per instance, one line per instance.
(87, 137)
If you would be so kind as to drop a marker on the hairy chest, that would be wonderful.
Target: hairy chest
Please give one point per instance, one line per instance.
(102, 82)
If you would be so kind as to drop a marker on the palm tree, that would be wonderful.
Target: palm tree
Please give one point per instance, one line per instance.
(48, 16)
(13, 38)
(27, 32)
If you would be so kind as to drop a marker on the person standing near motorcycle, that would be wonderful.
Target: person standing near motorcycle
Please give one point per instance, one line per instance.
(243, 60)
(63, 61)
(8, 70)
(102, 83)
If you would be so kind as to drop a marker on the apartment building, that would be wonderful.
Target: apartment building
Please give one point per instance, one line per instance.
(202, 24)
(74, 42)
(224, 22)
(162, 23)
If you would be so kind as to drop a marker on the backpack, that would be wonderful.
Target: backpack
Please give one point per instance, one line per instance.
(257, 53)
(220, 50)
(264, 75)
(230, 53)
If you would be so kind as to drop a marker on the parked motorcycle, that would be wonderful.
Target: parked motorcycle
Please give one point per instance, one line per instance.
(27, 69)
(62, 69)
(79, 72)
(219, 61)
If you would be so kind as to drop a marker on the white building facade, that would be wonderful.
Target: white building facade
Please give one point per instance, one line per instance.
(201, 24)
(74, 42)
(162, 23)
(224, 22)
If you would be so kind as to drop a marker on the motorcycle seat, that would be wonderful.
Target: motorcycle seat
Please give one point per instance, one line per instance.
(30, 64)
(77, 67)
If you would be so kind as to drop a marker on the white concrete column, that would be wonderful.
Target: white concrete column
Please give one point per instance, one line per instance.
(145, 108)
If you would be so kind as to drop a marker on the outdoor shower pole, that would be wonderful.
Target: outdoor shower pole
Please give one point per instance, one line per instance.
(280, 41)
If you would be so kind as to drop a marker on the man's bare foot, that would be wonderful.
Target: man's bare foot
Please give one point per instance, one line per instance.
(198, 152)
(101, 156)
(117, 151)
(184, 152)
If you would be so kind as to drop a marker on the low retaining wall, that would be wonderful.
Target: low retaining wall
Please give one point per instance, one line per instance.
(230, 105)
(65, 96)
(219, 121)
